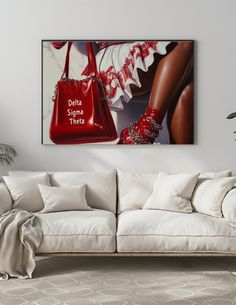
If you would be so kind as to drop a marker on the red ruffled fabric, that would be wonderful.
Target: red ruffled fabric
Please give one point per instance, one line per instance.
(58, 44)
(114, 79)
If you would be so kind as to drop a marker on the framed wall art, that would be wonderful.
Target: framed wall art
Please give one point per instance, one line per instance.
(117, 92)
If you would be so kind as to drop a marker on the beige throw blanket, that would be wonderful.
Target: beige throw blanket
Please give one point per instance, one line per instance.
(20, 235)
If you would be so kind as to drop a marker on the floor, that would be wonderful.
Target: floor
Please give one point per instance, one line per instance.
(124, 280)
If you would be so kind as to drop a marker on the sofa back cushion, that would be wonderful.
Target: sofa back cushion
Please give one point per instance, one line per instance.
(212, 175)
(25, 192)
(134, 189)
(19, 173)
(100, 186)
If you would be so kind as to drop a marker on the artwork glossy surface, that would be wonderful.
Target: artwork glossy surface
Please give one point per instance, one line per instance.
(117, 92)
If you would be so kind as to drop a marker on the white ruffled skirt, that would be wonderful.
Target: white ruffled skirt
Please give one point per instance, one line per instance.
(118, 67)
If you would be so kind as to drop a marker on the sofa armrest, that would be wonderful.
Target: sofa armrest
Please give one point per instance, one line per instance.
(229, 207)
(5, 199)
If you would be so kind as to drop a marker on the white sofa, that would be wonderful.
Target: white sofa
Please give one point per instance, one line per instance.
(117, 224)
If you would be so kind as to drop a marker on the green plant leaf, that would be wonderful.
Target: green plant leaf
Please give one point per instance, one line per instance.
(7, 149)
(5, 160)
(7, 154)
(231, 115)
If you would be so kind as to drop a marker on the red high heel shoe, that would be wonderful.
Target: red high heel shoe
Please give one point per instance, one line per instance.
(143, 131)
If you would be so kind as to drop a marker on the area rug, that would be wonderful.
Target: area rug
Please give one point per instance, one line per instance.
(123, 281)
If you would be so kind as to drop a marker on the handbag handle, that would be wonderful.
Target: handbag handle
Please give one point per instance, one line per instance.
(91, 60)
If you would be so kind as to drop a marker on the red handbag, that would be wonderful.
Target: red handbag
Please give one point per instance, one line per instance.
(81, 113)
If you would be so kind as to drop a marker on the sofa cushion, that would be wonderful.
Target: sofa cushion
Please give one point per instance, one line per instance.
(156, 230)
(100, 186)
(172, 193)
(58, 199)
(229, 207)
(212, 175)
(25, 192)
(5, 199)
(78, 231)
(209, 194)
(134, 189)
(19, 173)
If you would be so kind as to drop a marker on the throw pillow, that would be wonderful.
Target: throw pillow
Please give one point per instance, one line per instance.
(58, 199)
(229, 207)
(172, 192)
(25, 192)
(209, 194)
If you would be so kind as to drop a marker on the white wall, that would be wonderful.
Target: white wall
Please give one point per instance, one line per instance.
(211, 23)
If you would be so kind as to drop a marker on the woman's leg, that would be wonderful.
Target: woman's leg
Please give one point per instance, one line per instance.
(180, 118)
(170, 73)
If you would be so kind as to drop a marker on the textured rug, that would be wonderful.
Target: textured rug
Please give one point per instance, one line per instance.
(123, 280)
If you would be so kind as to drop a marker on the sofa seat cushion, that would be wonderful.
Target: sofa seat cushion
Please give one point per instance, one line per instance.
(156, 230)
(78, 231)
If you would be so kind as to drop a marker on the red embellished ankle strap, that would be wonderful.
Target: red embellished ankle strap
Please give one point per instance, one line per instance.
(155, 114)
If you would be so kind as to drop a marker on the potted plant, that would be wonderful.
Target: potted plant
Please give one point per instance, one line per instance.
(231, 116)
(7, 154)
